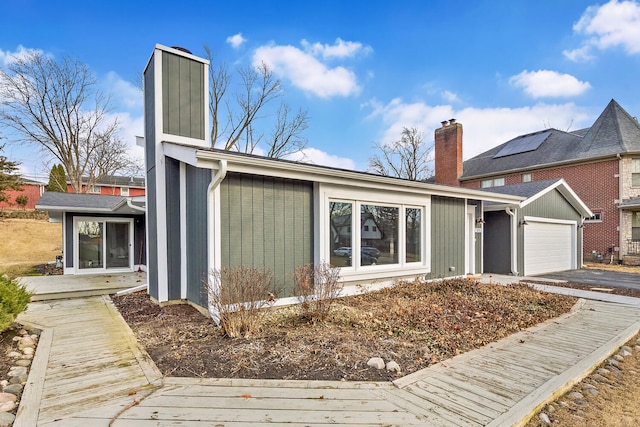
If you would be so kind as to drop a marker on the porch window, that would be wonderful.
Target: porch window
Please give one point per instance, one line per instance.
(635, 227)
(635, 172)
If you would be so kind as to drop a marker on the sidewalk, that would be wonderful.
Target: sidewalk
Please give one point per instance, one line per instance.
(89, 370)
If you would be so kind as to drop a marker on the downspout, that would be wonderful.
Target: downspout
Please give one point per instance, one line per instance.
(212, 237)
(138, 287)
(514, 241)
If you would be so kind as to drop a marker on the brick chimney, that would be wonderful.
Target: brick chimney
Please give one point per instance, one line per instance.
(448, 153)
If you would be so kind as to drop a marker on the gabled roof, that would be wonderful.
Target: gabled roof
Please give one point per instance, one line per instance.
(614, 132)
(90, 203)
(536, 189)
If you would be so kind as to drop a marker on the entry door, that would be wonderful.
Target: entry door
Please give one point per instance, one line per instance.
(103, 244)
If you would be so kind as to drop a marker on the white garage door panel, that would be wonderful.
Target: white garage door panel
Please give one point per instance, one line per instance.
(547, 247)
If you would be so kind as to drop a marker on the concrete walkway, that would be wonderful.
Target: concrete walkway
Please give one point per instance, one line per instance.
(89, 370)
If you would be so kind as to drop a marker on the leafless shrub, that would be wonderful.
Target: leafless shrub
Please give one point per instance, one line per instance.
(317, 287)
(236, 295)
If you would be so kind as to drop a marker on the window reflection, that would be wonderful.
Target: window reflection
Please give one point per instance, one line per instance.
(340, 220)
(413, 238)
(378, 235)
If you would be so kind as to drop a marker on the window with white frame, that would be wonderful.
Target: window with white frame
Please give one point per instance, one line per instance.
(635, 172)
(94, 189)
(526, 177)
(124, 191)
(387, 234)
(493, 182)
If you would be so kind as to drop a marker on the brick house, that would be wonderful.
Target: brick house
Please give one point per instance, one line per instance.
(600, 163)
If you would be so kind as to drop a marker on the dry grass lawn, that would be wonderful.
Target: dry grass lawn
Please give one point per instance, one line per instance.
(27, 243)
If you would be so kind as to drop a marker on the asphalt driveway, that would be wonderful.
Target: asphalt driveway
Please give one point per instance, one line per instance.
(598, 278)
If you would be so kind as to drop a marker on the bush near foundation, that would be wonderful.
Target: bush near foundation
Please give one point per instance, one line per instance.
(13, 300)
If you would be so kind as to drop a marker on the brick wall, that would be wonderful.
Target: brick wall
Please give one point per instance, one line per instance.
(597, 184)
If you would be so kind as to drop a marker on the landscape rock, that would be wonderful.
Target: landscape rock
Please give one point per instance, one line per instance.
(599, 378)
(393, 367)
(23, 362)
(16, 371)
(625, 353)
(7, 402)
(544, 418)
(613, 362)
(28, 350)
(25, 342)
(18, 379)
(376, 362)
(619, 357)
(575, 395)
(15, 389)
(588, 386)
(14, 354)
(626, 348)
(6, 419)
(593, 392)
(551, 409)
(603, 371)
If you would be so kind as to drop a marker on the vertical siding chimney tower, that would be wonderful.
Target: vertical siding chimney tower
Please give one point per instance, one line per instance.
(448, 153)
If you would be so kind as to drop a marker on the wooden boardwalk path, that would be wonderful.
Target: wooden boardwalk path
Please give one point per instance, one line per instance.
(89, 370)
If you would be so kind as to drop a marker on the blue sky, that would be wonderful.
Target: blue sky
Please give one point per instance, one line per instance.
(363, 69)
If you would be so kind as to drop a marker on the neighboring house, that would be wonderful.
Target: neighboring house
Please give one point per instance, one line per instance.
(113, 186)
(209, 209)
(30, 188)
(600, 163)
(100, 233)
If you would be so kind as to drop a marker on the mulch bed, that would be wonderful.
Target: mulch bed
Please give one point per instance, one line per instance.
(414, 324)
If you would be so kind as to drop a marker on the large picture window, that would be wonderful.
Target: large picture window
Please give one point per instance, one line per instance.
(381, 235)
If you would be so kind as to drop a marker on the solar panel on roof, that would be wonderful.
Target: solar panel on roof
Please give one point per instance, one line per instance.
(523, 144)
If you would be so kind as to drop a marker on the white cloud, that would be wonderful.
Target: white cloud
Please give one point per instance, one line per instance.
(341, 49)
(614, 24)
(306, 72)
(450, 97)
(318, 157)
(236, 40)
(7, 57)
(124, 92)
(484, 128)
(549, 84)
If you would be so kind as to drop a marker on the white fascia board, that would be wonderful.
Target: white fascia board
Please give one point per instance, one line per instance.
(73, 209)
(301, 171)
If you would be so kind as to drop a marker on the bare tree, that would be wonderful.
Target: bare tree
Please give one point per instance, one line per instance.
(236, 117)
(56, 105)
(406, 158)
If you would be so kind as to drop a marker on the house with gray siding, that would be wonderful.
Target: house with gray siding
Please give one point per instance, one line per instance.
(208, 209)
(100, 234)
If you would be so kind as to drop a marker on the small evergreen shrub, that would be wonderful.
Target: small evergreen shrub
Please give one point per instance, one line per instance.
(14, 298)
(22, 200)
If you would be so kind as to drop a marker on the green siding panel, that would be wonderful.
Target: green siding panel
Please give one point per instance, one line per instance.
(448, 217)
(183, 109)
(267, 222)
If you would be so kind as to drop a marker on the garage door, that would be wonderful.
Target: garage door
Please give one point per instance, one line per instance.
(548, 247)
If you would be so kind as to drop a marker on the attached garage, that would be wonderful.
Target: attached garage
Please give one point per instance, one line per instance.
(541, 234)
(549, 246)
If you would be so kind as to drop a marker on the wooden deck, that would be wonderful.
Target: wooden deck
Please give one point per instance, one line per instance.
(90, 371)
(81, 285)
